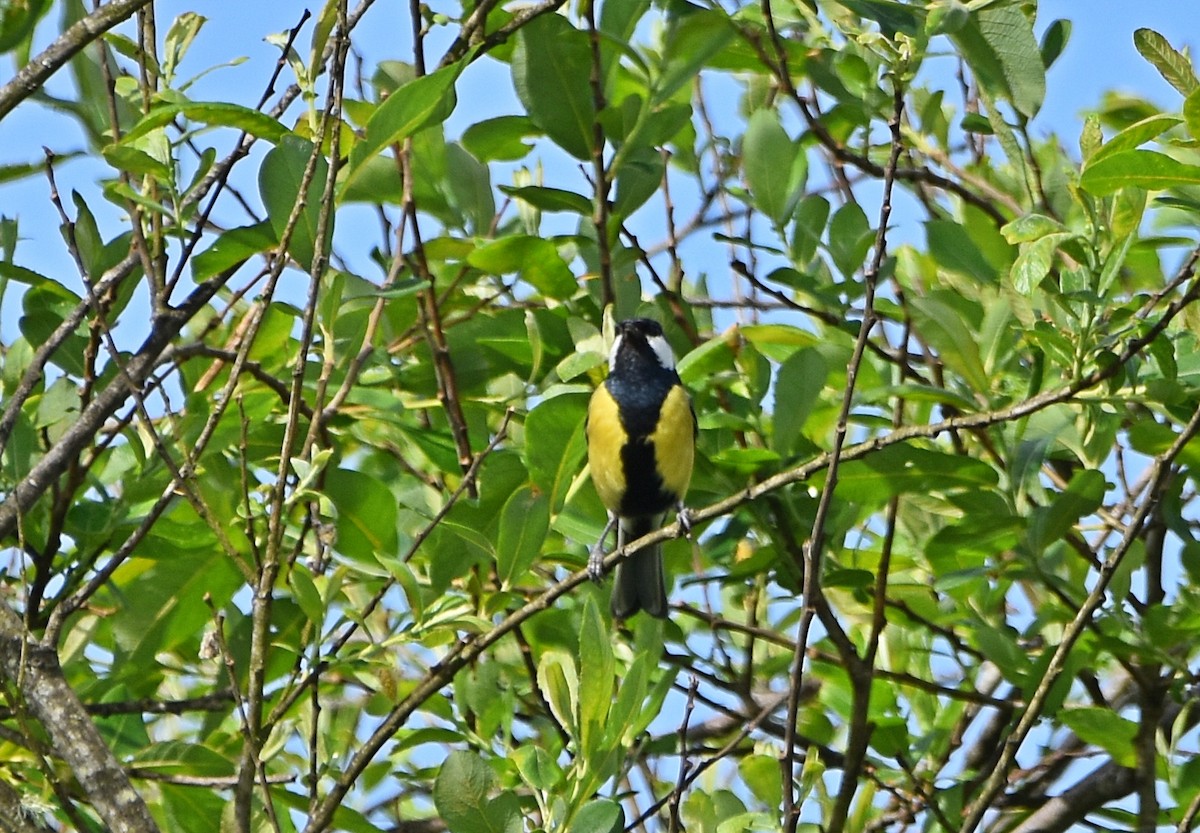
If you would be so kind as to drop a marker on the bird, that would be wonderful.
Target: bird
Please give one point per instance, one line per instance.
(641, 437)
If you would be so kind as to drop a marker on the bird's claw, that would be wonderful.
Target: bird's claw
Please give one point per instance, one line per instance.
(595, 563)
(685, 520)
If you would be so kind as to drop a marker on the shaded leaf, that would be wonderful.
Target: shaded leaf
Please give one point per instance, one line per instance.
(998, 44)
(1054, 41)
(524, 522)
(460, 794)
(691, 41)
(551, 199)
(600, 815)
(535, 259)
(280, 180)
(215, 113)
(551, 66)
(596, 678)
(412, 107)
(1104, 728)
(774, 166)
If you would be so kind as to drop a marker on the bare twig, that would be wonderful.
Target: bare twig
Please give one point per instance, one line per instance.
(47, 62)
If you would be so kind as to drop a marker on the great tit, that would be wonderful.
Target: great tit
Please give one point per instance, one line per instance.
(641, 434)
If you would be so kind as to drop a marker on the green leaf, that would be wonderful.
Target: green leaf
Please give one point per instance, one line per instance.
(891, 16)
(811, 215)
(596, 678)
(1104, 728)
(524, 522)
(952, 248)
(1083, 496)
(280, 180)
(691, 40)
(797, 388)
(600, 815)
(551, 66)
(1091, 137)
(1029, 227)
(619, 18)
(1000, 646)
(850, 238)
(1135, 135)
(232, 248)
(555, 445)
(87, 237)
(551, 199)
(1035, 261)
(422, 102)
(366, 515)
(640, 177)
(878, 477)
(45, 306)
(774, 166)
(17, 21)
(460, 794)
(214, 113)
(711, 357)
(944, 327)
(628, 705)
(535, 259)
(136, 161)
(999, 46)
(761, 773)
(1174, 66)
(537, 767)
(1054, 41)
(499, 139)
(1146, 169)
(1191, 113)
(559, 682)
(470, 188)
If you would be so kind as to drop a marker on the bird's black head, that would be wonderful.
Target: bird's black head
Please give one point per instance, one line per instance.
(640, 341)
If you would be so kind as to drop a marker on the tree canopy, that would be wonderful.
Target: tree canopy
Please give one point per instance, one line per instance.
(295, 510)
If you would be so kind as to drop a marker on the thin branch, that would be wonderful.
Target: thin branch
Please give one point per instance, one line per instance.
(472, 646)
(70, 43)
(600, 174)
(1160, 471)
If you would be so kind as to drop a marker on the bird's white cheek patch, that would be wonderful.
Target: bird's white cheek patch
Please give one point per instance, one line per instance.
(663, 350)
(612, 354)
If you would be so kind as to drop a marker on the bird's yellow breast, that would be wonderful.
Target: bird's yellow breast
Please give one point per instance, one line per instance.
(674, 441)
(606, 437)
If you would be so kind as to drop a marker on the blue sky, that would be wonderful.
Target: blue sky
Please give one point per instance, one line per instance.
(1100, 56)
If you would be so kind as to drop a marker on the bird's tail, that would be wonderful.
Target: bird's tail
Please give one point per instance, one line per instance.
(638, 583)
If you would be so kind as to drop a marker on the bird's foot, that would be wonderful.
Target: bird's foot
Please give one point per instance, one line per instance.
(685, 520)
(595, 562)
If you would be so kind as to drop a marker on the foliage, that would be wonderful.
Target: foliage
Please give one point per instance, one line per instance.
(294, 503)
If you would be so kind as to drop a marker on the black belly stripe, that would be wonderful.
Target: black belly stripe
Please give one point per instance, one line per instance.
(644, 492)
